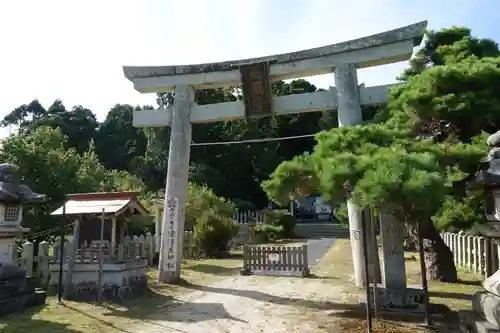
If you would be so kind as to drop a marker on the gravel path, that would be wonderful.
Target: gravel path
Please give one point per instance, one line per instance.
(243, 304)
(317, 248)
(252, 304)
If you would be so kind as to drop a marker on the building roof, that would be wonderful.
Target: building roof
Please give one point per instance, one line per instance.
(94, 203)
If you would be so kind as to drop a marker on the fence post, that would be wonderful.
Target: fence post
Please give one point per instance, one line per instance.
(28, 253)
(13, 252)
(463, 261)
(487, 257)
(142, 246)
(127, 246)
(43, 263)
(469, 252)
(305, 270)
(481, 261)
(459, 249)
(452, 247)
(150, 247)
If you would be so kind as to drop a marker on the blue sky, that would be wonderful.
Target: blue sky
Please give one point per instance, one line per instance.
(75, 50)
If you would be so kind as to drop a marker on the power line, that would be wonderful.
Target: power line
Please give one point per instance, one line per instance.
(253, 140)
(46, 232)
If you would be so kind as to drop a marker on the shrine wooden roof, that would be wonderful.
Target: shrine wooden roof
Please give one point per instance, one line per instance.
(115, 203)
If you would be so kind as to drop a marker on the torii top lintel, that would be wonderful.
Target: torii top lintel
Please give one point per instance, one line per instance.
(379, 49)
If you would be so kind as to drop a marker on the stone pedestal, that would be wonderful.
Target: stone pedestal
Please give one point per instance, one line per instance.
(485, 315)
(393, 294)
(410, 299)
(121, 280)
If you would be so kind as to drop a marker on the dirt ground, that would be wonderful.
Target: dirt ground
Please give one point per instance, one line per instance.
(215, 298)
(248, 304)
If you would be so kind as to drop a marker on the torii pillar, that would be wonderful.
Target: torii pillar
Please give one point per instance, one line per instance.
(169, 267)
(349, 114)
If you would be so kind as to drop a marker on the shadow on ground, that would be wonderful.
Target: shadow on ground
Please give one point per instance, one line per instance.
(23, 322)
(213, 269)
(444, 294)
(155, 306)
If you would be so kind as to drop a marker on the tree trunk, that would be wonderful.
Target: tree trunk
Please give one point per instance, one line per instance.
(438, 256)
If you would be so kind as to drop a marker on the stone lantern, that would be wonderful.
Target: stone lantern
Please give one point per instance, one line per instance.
(17, 291)
(485, 316)
(13, 195)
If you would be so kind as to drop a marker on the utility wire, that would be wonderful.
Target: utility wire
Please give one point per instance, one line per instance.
(253, 140)
(46, 232)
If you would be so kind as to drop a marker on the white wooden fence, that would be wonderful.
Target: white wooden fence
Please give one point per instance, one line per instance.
(474, 254)
(132, 247)
(245, 217)
(275, 260)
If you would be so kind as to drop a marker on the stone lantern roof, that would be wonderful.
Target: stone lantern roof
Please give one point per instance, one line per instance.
(11, 190)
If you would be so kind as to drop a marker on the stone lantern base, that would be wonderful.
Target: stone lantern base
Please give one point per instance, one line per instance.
(485, 314)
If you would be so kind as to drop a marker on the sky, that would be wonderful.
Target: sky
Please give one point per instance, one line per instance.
(74, 50)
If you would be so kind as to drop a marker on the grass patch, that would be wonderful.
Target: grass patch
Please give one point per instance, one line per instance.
(76, 317)
(336, 268)
(455, 296)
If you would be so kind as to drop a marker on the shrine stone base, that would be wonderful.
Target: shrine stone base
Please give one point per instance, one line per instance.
(18, 294)
(471, 322)
(410, 299)
(485, 314)
(121, 281)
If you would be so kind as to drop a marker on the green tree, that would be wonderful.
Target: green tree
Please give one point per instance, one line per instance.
(118, 143)
(49, 167)
(79, 124)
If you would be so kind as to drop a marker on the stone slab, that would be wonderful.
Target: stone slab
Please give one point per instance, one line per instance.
(471, 322)
(393, 253)
(492, 284)
(410, 299)
(487, 305)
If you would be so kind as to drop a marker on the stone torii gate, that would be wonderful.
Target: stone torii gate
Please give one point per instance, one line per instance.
(255, 76)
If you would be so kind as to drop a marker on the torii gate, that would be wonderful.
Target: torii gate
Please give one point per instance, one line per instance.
(255, 76)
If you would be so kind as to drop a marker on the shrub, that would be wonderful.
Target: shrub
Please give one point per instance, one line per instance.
(212, 233)
(341, 214)
(202, 199)
(268, 232)
(281, 218)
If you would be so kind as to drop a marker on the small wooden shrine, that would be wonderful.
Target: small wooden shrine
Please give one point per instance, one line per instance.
(100, 259)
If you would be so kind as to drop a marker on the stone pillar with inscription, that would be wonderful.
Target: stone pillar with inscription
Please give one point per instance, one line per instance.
(395, 295)
(172, 236)
(393, 253)
(349, 114)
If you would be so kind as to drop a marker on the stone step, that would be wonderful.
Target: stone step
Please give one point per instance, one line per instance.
(311, 229)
